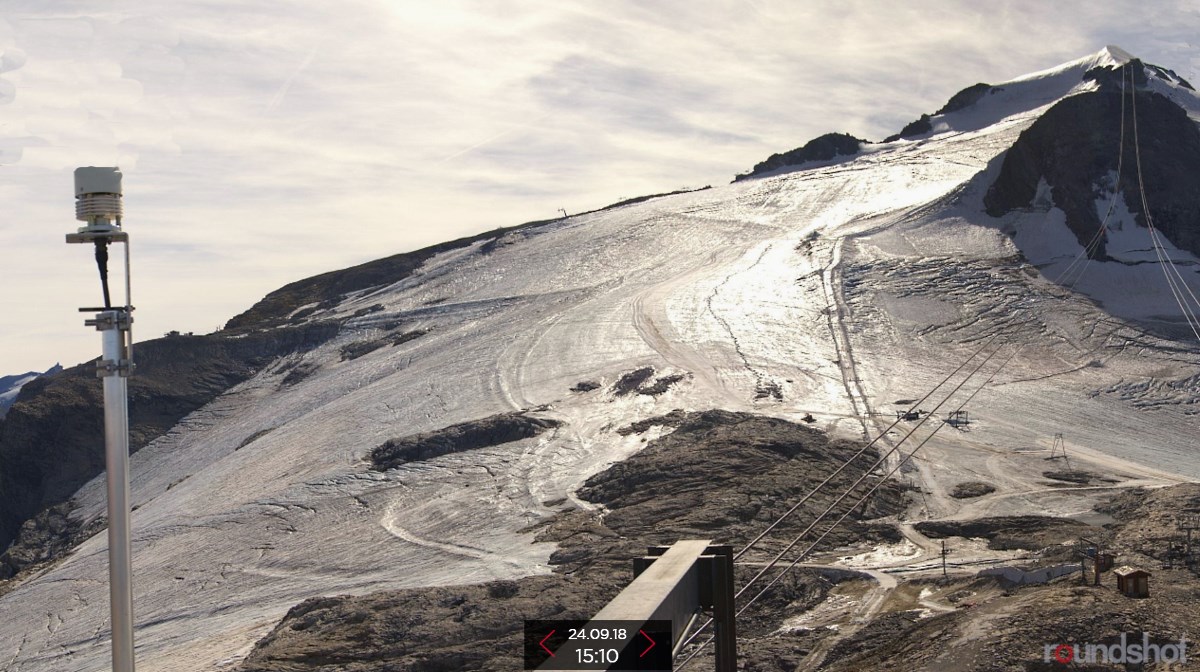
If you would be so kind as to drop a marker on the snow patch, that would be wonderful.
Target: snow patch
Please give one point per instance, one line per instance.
(884, 555)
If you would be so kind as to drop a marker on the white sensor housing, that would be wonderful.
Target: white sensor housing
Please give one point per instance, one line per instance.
(98, 195)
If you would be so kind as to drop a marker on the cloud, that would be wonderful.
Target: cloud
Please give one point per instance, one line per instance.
(261, 145)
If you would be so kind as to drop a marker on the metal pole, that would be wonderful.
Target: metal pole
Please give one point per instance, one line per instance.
(98, 203)
(944, 554)
(113, 368)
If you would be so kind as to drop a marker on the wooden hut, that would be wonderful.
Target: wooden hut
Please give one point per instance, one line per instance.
(1132, 582)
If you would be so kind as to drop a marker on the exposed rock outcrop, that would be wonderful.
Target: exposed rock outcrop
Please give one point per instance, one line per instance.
(10, 386)
(483, 433)
(48, 535)
(823, 148)
(966, 98)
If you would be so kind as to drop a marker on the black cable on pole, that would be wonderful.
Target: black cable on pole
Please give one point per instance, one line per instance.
(102, 264)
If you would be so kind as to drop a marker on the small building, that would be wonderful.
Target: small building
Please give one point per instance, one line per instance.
(1132, 582)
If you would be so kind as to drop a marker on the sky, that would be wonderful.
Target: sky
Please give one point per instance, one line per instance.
(262, 142)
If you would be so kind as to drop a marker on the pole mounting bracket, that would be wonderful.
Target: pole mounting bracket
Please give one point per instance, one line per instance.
(109, 367)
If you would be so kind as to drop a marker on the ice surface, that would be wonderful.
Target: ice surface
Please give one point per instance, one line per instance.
(845, 287)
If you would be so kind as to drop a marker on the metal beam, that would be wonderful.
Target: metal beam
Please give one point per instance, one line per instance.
(669, 589)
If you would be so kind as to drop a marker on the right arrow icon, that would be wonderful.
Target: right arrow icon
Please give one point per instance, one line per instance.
(648, 647)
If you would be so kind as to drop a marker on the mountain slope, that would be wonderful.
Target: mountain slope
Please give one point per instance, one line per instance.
(10, 386)
(832, 292)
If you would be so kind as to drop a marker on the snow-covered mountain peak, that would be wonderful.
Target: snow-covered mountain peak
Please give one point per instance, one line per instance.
(1115, 54)
(1110, 56)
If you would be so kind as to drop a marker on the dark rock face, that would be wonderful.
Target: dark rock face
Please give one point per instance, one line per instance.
(972, 489)
(757, 455)
(823, 148)
(422, 630)
(585, 386)
(959, 101)
(965, 98)
(490, 431)
(327, 289)
(8, 383)
(919, 127)
(629, 382)
(1008, 532)
(45, 537)
(638, 381)
(1074, 147)
(52, 441)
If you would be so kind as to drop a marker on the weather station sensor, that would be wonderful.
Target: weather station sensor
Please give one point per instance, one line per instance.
(98, 204)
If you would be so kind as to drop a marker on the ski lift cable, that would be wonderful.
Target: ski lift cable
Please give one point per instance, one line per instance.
(866, 474)
(862, 478)
(1155, 236)
(848, 462)
(1164, 258)
(883, 480)
(1178, 282)
(1092, 244)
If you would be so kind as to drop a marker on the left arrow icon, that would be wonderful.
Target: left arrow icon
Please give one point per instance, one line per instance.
(543, 643)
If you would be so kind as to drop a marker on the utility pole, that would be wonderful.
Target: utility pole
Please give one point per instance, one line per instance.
(944, 554)
(1189, 523)
(1084, 547)
(98, 204)
(1096, 549)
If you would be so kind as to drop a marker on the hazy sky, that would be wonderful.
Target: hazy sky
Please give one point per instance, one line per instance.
(263, 142)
